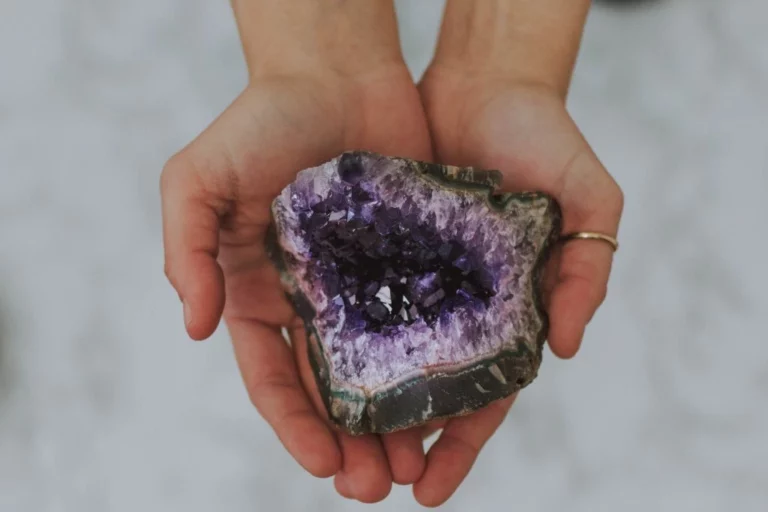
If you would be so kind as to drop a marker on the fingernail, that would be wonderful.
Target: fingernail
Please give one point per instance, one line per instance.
(187, 315)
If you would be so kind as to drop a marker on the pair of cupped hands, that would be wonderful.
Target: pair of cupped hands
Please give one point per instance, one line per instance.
(216, 196)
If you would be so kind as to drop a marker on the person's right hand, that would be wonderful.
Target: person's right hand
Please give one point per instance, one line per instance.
(494, 96)
(216, 196)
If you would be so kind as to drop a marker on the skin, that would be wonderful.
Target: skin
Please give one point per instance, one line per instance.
(328, 76)
(495, 98)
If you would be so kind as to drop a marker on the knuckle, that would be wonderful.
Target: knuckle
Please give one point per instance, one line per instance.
(374, 491)
(619, 201)
(172, 170)
(601, 293)
(270, 383)
(168, 270)
(293, 416)
(615, 202)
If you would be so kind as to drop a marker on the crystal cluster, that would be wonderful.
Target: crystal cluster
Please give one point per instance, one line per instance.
(413, 280)
(390, 269)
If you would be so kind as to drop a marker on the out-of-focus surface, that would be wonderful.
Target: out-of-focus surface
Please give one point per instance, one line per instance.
(106, 406)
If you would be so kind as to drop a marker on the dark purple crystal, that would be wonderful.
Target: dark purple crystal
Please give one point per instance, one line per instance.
(383, 249)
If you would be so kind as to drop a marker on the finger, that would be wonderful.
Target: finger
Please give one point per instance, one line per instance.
(270, 376)
(453, 454)
(365, 473)
(253, 287)
(549, 281)
(301, 356)
(580, 289)
(405, 452)
(430, 428)
(191, 241)
(591, 201)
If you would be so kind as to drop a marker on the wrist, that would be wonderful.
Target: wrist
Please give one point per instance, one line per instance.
(298, 37)
(531, 43)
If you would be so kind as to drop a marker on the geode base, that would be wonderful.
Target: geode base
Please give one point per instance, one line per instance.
(419, 286)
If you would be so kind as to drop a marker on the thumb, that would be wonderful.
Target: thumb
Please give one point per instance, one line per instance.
(191, 242)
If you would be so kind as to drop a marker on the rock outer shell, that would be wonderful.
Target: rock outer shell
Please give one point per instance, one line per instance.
(431, 393)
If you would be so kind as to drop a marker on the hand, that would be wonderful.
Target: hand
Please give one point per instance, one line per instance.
(216, 197)
(482, 120)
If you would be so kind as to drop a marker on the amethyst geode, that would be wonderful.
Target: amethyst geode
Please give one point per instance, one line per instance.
(418, 285)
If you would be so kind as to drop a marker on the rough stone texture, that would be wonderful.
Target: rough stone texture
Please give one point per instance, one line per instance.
(418, 285)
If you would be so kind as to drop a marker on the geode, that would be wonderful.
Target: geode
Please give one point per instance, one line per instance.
(419, 286)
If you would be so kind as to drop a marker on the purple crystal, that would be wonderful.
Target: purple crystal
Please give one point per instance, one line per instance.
(408, 266)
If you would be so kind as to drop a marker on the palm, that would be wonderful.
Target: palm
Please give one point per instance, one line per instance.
(526, 133)
(272, 131)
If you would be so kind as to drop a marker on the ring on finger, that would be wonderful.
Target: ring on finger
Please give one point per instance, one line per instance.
(592, 235)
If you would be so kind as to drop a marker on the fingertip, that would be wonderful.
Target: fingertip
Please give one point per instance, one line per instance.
(198, 327)
(202, 297)
(341, 484)
(373, 490)
(564, 352)
(405, 452)
(200, 330)
(448, 463)
(365, 467)
(578, 293)
(191, 244)
(565, 343)
(325, 467)
(365, 490)
(568, 318)
(428, 495)
(329, 464)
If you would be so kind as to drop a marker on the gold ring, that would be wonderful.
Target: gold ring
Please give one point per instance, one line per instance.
(589, 235)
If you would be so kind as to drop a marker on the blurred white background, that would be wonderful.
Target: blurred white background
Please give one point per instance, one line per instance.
(106, 406)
